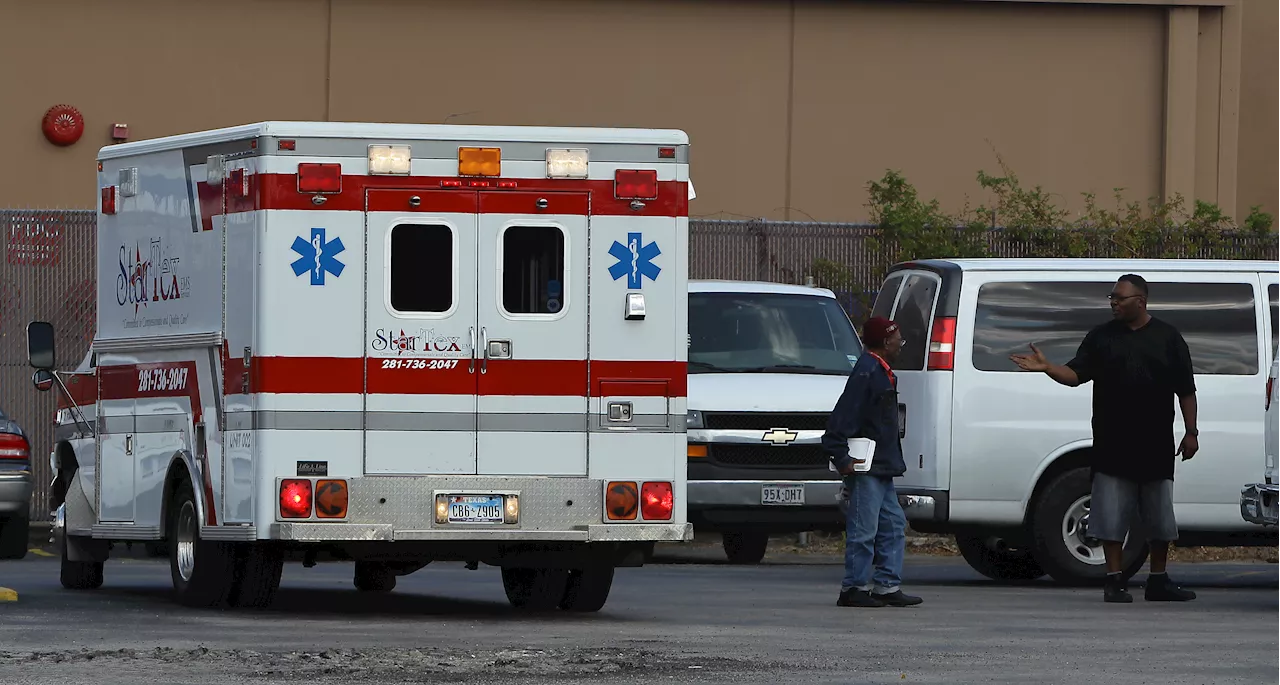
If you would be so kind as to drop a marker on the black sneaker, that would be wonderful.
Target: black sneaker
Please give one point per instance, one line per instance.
(1161, 589)
(858, 598)
(1114, 591)
(898, 599)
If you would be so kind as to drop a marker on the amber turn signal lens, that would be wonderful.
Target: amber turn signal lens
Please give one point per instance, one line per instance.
(622, 500)
(479, 161)
(331, 499)
(699, 451)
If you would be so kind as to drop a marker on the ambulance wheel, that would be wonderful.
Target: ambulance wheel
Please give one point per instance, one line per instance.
(79, 575)
(372, 576)
(261, 564)
(1063, 546)
(203, 572)
(535, 589)
(14, 536)
(587, 589)
(745, 548)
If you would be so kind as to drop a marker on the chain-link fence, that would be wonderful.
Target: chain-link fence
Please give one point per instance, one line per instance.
(47, 272)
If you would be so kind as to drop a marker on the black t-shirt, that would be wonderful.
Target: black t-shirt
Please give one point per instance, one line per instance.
(1137, 377)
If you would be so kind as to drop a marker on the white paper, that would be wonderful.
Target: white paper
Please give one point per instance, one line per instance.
(859, 448)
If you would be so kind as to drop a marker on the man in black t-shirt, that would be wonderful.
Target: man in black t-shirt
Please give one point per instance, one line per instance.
(1138, 365)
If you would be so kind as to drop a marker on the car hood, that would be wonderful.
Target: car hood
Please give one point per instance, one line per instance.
(765, 392)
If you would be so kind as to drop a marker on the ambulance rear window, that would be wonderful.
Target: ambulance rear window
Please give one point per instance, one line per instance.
(421, 268)
(533, 270)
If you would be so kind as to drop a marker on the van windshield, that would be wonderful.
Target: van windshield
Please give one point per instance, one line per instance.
(769, 333)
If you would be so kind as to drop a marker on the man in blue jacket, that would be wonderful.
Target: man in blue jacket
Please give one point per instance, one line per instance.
(875, 526)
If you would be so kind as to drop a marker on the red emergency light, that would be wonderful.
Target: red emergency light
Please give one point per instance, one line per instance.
(295, 498)
(635, 184)
(109, 200)
(319, 178)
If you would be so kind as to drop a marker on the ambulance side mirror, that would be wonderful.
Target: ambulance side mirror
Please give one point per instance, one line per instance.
(40, 345)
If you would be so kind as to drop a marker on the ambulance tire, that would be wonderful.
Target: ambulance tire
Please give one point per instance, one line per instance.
(745, 548)
(371, 576)
(79, 575)
(1054, 518)
(535, 589)
(203, 572)
(588, 589)
(260, 565)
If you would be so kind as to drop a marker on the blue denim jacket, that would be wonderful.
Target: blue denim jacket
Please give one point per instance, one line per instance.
(868, 408)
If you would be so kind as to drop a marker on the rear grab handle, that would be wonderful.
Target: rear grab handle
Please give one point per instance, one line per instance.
(472, 367)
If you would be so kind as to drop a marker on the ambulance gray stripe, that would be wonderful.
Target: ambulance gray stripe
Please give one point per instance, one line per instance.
(609, 153)
(448, 421)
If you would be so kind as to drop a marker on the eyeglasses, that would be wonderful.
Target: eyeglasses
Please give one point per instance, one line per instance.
(1121, 298)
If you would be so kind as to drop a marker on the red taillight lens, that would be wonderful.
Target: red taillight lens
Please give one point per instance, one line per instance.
(295, 499)
(942, 345)
(656, 501)
(14, 447)
(319, 178)
(635, 184)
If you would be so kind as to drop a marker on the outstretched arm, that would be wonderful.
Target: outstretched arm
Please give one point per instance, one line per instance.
(1037, 362)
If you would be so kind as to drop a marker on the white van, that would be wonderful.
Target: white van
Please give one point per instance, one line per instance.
(767, 362)
(1000, 454)
(1258, 500)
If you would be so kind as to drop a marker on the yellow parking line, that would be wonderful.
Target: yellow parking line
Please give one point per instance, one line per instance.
(7, 595)
(40, 552)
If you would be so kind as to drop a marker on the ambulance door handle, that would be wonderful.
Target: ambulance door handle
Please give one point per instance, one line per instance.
(472, 367)
(484, 343)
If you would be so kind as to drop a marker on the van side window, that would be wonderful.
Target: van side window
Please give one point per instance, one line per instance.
(1216, 319)
(883, 305)
(1275, 317)
(914, 316)
(421, 268)
(532, 270)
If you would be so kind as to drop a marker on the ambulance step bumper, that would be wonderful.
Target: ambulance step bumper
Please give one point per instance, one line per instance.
(1258, 503)
(381, 532)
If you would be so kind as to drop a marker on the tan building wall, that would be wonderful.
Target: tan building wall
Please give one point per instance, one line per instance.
(792, 107)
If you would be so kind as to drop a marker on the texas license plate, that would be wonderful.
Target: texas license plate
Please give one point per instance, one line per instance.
(782, 495)
(475, 509)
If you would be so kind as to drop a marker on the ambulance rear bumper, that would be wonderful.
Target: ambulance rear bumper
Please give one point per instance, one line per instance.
(383, 532)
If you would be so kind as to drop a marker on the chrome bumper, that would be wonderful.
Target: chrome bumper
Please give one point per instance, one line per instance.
(383, 532)
(1258, 503)
(705, 494)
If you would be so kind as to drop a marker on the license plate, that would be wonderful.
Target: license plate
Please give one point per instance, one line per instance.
(782, 495)
(475, 509)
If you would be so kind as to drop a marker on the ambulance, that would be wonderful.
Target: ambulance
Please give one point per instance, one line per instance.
(385, 343)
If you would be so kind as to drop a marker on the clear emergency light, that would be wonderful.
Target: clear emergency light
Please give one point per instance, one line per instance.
(567, 163)
(389, 160)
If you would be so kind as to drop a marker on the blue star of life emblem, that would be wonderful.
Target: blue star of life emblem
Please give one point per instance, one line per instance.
(634, 262)
(318, 256)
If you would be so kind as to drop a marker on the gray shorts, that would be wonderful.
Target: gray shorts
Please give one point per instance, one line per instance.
(1116, 500)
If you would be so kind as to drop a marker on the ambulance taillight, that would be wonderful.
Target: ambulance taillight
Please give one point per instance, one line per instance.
(635, 184)
(295, 498)
(319, 178)
(657, 500)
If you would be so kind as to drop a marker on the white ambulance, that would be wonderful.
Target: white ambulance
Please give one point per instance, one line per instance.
(393, 344)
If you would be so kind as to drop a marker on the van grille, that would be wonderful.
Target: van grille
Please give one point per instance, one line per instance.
(768, 456)
(764, 421)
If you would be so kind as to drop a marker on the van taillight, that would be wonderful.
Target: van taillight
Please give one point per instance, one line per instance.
(942, 345)
(14, 447)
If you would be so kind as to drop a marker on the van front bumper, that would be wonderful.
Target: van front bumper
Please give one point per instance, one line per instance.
(1258, 503)
(731, 503)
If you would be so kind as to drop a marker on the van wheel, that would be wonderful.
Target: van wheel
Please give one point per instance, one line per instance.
(260, 565)
(372, 576)
(204, 572)
(1063, 547)
(997, 565)
(79, 575)
(535, 589)
(745, 548)
(14, 537)
(588, 589)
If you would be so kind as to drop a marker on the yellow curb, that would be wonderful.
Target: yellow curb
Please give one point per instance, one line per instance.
(7, 595)
(41, 553)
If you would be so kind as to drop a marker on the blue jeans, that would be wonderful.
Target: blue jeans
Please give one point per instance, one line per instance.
(875, 532)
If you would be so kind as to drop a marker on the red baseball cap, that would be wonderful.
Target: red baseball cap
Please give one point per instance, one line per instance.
(876, 331)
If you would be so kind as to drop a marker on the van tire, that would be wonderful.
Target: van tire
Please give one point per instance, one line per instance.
(261, 565)
(745, 548)
(78, 575)
(588, 589)
(15, 533)
(535, 589)
(1011, 565)
(203, 572)
(1052, 551)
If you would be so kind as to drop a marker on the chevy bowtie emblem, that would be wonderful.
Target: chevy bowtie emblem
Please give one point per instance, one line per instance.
(779, 436)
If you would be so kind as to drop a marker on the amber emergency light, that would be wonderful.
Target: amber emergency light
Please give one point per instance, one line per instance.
(479, 161)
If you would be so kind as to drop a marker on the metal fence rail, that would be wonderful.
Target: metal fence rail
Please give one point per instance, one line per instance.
(48, 272)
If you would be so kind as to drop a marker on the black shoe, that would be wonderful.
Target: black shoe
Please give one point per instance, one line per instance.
(1161, 589)
(858, 598)
(898, 599)
(1114, 591)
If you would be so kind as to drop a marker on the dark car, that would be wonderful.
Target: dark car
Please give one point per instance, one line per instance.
(15, 488)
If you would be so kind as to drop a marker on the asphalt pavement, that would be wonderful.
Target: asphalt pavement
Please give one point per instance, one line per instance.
(692, 622)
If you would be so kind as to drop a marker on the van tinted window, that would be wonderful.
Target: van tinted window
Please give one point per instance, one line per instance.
(914, 315)
(1216, 319)
(769, 333)
(884, 299)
